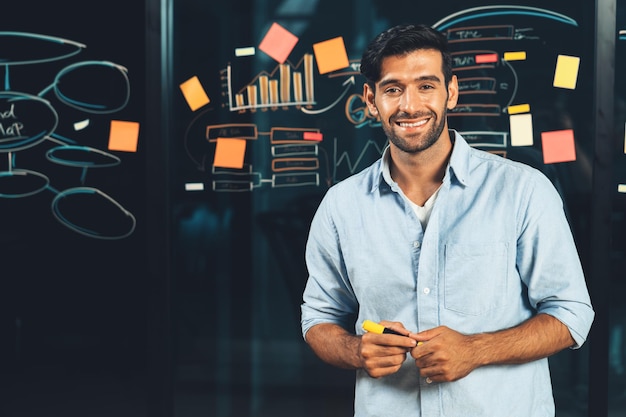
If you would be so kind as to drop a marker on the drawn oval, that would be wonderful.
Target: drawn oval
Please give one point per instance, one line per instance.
(92, 213)
(93, 86)
(19, 183)
(462, 17)
(31, 48)
(25, 120)
(81, 156)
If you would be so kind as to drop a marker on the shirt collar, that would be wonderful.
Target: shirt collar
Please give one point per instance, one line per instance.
(458, 167)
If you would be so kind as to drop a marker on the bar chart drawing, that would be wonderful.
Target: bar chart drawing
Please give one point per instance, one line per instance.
(286, 85)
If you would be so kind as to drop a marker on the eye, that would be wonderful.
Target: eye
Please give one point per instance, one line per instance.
(392, 90)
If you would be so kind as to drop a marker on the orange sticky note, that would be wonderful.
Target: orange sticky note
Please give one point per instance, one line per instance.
(558, 146)
(278, 43)
(123, 136)
(331, 55)
(229, 153)
(194, 93)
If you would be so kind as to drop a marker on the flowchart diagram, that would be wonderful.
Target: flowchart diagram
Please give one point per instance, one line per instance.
(27, 119)
(492, 49)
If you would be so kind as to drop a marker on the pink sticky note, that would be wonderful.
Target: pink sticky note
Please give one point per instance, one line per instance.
(229, 153)
(558, 146)
(313, 136)
(123, 136)
(486, 58)
(331, 55)
(278, 43)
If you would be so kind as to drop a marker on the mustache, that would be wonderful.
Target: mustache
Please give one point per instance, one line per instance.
(418, 115)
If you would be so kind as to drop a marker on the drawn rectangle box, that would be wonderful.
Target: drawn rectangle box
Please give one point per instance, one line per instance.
(486, 139)
(280, 135)
(298, 179)
(237, 130)
(482, 33)
(295, 150)
(295, 164)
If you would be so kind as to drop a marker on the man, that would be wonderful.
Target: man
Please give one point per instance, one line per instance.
(467, 254)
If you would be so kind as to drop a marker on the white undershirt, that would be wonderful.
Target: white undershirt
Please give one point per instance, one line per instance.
(422, 212)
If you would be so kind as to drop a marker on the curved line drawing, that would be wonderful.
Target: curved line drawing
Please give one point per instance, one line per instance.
(82, 230)
(50, 155)
(25, 35)
(497, 10)
(90, 107)
(348, 84)
(27, 120)
(515, 84)
(18, 143)
(22, 173)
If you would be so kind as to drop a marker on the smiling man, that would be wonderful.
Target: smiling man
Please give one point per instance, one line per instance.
(467, 255)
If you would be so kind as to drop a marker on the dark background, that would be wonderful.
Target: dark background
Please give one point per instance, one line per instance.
(197, 311)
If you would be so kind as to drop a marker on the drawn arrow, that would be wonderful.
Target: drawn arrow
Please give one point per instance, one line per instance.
(348, 83)
(200, 164)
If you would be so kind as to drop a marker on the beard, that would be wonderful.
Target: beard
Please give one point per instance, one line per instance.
(428, 138)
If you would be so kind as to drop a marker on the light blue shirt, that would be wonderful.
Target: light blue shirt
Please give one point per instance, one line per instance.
(497, 250)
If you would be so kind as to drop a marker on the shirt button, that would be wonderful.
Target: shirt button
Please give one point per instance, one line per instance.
(429, 381)
(416, 244)
(426, 290)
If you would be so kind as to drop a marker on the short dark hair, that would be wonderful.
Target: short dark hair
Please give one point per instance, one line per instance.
(401, 40)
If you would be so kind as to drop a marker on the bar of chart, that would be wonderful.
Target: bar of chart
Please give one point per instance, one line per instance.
(287, 85)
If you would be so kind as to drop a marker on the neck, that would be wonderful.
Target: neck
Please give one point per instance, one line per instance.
(419, 175)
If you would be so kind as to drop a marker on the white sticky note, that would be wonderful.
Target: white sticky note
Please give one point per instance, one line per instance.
(521, 127)
(249, 51)
(194, 186)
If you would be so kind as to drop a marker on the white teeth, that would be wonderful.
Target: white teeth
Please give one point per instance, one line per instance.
(421, 122)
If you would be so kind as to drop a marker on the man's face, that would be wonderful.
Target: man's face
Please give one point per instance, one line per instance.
(411, 99)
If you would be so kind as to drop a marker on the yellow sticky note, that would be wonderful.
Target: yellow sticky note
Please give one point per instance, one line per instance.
(229, 153)
(515, 56)
(278, 43)
(558, 146)
(194, 93)
(123, 136)
(566, 73)
(519, 108)
(521, 127)
(621, 188)
(331, 55)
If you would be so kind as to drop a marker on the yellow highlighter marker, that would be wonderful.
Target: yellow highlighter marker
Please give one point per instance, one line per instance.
(370, 326)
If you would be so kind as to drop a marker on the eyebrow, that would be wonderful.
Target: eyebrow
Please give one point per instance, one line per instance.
(433, 78)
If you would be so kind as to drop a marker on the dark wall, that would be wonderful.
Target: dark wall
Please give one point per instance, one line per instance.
(73, 282)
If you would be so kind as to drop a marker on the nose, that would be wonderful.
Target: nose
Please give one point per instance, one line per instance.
(409, 101)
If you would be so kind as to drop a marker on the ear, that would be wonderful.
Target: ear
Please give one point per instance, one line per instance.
(453, 93)
(368, 98)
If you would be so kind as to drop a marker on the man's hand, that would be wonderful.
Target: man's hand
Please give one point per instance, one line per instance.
(444, 354)
(384, 354)
(447, 355)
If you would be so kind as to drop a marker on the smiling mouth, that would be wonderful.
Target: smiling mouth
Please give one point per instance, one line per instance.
(412, 124)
